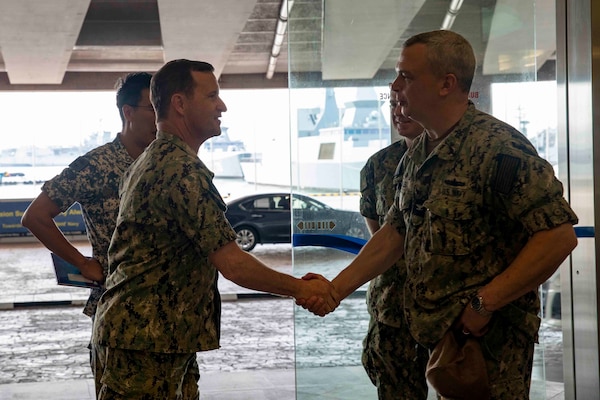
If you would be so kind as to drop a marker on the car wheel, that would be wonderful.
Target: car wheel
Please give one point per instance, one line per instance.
(246, 238)
(356, 231)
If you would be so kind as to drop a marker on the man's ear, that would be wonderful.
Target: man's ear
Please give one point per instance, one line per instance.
(127, 110)
(449, 84)
(178, 102)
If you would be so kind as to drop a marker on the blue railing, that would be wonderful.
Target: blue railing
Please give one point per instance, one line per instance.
(340, 242)
(584, 231)
(353, 245)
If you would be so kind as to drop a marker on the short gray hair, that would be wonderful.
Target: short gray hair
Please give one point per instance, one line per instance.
(448, 53)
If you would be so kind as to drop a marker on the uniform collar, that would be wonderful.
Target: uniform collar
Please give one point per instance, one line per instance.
(176, 141)
(448, 148)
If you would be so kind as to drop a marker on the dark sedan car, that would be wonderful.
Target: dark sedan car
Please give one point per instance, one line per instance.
(265, 218)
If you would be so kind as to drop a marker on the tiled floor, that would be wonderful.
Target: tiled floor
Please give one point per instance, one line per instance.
(348, 383)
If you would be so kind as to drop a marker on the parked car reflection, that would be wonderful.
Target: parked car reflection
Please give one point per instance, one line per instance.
(265, 218)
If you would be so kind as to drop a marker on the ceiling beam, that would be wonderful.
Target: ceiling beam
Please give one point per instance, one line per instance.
(37, 38)
(204, 30)
(358, 35)
(85, 81)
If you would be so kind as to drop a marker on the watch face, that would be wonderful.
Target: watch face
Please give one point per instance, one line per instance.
(478, 306)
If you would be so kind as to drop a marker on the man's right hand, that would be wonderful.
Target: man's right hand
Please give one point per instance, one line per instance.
(92, 270)
(320, 304)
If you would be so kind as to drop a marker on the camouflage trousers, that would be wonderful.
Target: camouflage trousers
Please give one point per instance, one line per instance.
(129, 374)
(508, 353)
(394, 362)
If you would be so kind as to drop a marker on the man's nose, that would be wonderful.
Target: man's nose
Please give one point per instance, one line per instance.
(223, 107)
(398, 83)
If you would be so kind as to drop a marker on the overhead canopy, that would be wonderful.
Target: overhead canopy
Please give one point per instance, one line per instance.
(79, 44)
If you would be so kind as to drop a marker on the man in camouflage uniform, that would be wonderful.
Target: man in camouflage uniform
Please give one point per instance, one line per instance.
(480, 216)
(393, 360)
(162, 304)
(92, 180)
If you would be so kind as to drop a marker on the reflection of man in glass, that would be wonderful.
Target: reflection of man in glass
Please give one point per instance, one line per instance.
(93, 180)
(480, 218)
(392, 358)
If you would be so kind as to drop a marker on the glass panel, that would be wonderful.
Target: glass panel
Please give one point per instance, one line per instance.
(34, 149)
(332, 79)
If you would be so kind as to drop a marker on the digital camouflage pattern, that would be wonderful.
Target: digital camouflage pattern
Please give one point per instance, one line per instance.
(93, 180)
(376, 181)
(124, 375)
(508, 354)
(384, 296)
(467, 210)
(393, 360)
(162, 291)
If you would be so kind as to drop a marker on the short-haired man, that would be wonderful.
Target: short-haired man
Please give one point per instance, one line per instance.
(162, 304)
(392, 358)
(480, 218)
(92, 180)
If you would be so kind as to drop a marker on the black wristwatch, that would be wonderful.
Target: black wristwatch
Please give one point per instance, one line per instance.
(478, 306)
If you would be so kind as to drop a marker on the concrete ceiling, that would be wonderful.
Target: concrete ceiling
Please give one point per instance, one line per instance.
(87, 44)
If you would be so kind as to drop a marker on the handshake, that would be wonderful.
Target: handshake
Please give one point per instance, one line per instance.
(317, 295)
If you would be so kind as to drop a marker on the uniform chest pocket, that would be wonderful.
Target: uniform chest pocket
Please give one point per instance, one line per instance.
(452, 228)
(413, 215)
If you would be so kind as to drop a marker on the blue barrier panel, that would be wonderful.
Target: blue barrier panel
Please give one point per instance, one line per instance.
(70, 222)
(353, 245)
(584, 231)
(340, 242)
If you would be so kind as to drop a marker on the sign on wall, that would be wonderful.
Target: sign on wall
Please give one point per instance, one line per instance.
(69, 222)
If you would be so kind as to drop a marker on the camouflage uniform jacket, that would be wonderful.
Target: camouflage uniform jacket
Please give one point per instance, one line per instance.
(162, 291)
(467, 210)
(93, 180)
(385, 295)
